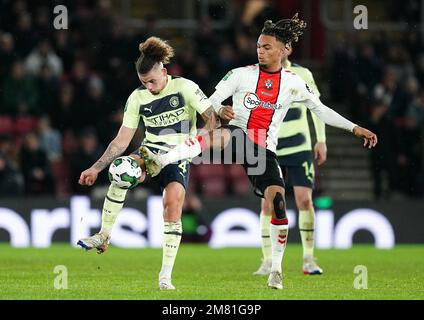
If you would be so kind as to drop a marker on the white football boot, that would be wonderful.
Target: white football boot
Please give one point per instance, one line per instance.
(310, 267)
(98, 241)
(165, 284)
(264, 269)
(275, 280)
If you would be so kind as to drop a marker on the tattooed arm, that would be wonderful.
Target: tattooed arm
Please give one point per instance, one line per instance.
(211, 120)
(114, 150)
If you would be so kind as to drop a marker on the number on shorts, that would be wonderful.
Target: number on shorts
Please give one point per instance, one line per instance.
(183, 166)
(309, 170)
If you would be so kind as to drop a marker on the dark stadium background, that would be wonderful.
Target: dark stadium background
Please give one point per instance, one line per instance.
(57, 115)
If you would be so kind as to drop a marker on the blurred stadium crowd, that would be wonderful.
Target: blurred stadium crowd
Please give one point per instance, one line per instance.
(62, 93)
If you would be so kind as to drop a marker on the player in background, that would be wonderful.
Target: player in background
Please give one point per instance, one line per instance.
(262, 94)
(167, 105)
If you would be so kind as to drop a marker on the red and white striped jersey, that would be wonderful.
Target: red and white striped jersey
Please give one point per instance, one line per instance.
(261, 101)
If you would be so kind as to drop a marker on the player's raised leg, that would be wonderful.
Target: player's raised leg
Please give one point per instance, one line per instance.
(303, 196)
(112, 205)
(264, 221)
(274, 196)
(173, 199)
(192, 147)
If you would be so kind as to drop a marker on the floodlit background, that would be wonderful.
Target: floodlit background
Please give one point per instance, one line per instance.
(62, 95)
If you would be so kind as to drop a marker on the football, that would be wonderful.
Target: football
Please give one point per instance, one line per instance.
(124, 172)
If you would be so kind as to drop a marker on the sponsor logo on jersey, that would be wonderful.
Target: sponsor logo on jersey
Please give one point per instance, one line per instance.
(251, 101)
(166, 119)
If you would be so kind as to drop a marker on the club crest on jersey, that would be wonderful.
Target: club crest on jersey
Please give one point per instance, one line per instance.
(268, 84)
(174, 102)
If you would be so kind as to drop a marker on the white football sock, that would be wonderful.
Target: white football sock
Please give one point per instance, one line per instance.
(307, 230)
(278, 234)
(112, 205)
(264, 221)
(190, 148)
(171, 241)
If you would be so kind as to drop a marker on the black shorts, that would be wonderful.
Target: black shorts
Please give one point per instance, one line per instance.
(298, 169)
(260, 164)
(178, 172)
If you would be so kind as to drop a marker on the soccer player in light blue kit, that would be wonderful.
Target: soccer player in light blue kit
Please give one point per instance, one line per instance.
(168, 107)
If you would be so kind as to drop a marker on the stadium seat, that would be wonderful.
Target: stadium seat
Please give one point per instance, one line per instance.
(211, 179)
(6, 125)
(60, 171)
(237, 179)
(25, 124)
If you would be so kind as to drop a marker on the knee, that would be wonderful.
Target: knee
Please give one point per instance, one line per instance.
(305, 203)
(172, 210)
(279, 206)
(266, 208)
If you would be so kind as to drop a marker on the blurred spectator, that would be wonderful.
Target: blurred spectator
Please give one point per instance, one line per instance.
(50, 139)
(24, 34)
(382, 161)
(11, 180)
(7, 54)
(35, 167)
(414, 131)
(89, 152)
(20, 92)
(43, 55)
(48, 86)
(65, 48)
(63, 115)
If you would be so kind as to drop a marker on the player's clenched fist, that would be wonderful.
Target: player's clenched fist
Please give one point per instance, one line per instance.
(88, 177)
(227, 113)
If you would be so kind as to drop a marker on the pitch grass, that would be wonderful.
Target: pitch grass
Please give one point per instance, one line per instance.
(204, 273)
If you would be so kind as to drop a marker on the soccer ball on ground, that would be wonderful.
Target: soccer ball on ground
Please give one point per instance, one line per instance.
(124, 172)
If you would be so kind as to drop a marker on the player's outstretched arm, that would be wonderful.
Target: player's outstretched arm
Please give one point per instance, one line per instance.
(114, 150)
(370, 138)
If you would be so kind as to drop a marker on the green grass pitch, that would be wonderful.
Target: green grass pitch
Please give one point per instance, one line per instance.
(202, 273)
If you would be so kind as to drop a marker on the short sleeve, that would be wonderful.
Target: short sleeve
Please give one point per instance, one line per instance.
(195, 97)
(131, 112)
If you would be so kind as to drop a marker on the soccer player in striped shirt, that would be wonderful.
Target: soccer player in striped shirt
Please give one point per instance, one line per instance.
(295, 157)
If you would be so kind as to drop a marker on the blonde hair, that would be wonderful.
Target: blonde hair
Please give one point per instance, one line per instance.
(152, 51)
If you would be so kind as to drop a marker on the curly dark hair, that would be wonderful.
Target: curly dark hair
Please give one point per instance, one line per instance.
(152, 51)
(285, 30)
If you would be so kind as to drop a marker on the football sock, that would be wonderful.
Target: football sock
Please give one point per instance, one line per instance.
(279, 229)
(190, 148)
(171, 241)
(112, 205)
(306, 228)
(264, 221)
